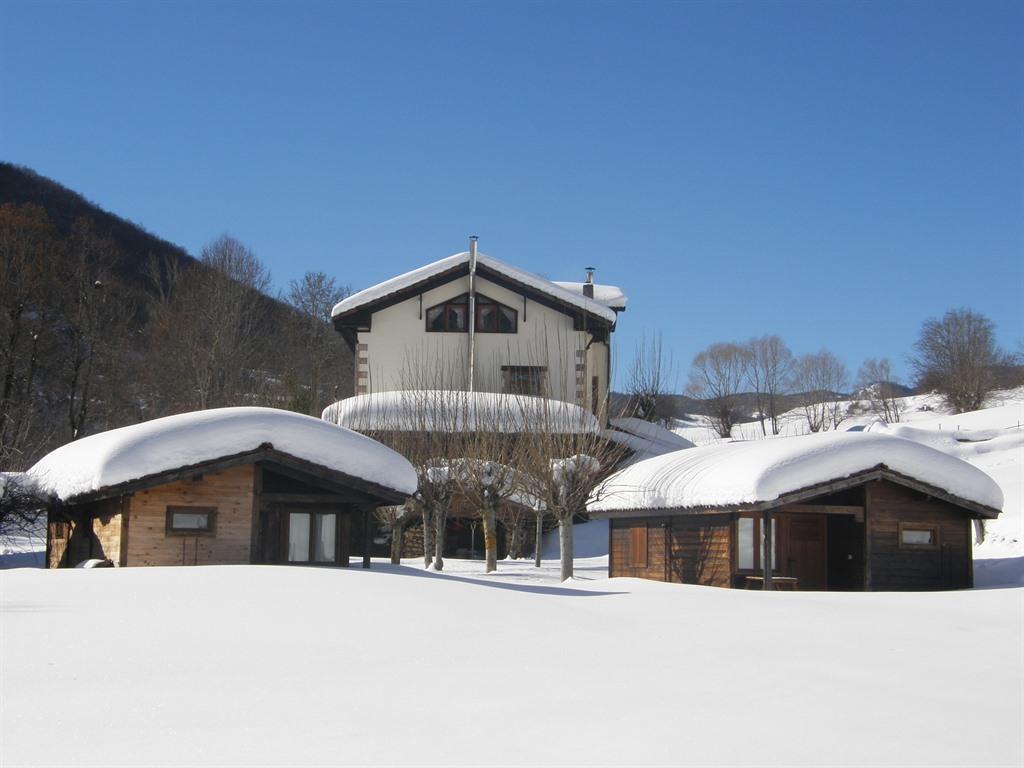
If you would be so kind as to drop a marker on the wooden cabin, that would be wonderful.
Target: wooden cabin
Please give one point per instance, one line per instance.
(287, 501)
(693, 517)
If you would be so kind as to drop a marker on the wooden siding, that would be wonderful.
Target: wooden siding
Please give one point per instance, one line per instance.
(624, 562)
(93, 532)
(892, 567)
(701, 550)
(230, 491)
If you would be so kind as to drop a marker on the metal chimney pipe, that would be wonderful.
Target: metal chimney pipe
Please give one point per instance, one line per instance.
(588, 286)
(472, 312)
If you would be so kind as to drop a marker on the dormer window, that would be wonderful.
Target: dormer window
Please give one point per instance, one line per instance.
(453, 316)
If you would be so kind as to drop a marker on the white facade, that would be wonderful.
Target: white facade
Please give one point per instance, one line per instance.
(554, 343)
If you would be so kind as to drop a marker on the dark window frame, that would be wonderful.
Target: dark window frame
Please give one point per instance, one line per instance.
(173, 509)
(508, 371)
(758, 544)
(932, 528)
(462, 301)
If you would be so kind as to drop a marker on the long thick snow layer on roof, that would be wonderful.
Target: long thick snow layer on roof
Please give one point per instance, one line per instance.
(140, 450)
(435, 410)
(609, 295)
(655, 433)
(763, 470)
(408, 279)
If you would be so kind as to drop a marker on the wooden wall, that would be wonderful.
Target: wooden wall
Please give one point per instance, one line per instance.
(94, 532)
(230, 491)
(702, 550)
(892, 567)
(638, 548)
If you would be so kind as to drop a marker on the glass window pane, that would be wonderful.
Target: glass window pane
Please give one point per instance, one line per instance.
(506, 320)
(192, 521)
(435, 319)
(915, 536)
(487, 317)
(745, 542)
(298, 537)
(323, 541)
(456, 318)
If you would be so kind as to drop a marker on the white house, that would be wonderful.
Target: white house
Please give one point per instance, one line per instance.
(471, 322)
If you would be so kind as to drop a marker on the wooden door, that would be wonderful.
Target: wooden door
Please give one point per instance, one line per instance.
(806, 551)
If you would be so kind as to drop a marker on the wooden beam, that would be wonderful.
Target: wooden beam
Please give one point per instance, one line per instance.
(366, 537)
(766, 555)
(825, 509)
(326, 499)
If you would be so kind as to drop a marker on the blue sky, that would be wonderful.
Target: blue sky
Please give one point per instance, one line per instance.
(831, 172)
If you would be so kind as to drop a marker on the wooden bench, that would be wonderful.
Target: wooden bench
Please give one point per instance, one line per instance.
(778, 582)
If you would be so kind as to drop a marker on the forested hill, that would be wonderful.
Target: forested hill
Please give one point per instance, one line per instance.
(103, 324)
(135, 246)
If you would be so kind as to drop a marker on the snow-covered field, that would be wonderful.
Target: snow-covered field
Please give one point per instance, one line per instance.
(262, 665)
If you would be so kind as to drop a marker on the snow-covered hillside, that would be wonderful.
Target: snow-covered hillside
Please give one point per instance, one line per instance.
(262, 665)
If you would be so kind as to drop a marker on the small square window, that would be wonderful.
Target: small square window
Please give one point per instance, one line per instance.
(185, 521)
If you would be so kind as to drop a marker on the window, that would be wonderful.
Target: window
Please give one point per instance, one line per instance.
(191, 521)
(917, 536)
(638, 546)
(523, 379)
(312, 537)
(453, 316)
(750, 544)
(450, 316)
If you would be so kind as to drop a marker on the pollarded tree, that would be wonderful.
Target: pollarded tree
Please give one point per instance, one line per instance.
(716, 377)
(957, 357)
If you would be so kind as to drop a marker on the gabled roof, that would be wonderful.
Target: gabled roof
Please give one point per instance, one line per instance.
(152, 449)
(457, 265)
(764, 473)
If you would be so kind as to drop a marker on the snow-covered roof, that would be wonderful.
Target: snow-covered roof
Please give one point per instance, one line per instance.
(409, 279)
(161, 445)
(734, 474)
(435, 410)
(657, 435)
(609, 295)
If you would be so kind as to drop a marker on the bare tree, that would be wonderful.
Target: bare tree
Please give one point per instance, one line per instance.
(879, 387)
(769, 365)
(212, 335)
(649, 379)
(563, 460)
(957, 357)
(320, 348)
(716, 376)
(820, 379)
(22, 509)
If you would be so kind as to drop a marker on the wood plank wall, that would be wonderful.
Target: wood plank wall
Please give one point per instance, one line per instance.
(621, 559)
(702, 550)
(230, 491)
(947, 566)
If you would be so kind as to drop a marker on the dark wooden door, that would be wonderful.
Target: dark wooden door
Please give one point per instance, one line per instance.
(806, 551)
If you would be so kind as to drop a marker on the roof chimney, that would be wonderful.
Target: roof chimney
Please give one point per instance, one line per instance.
(588, 286)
